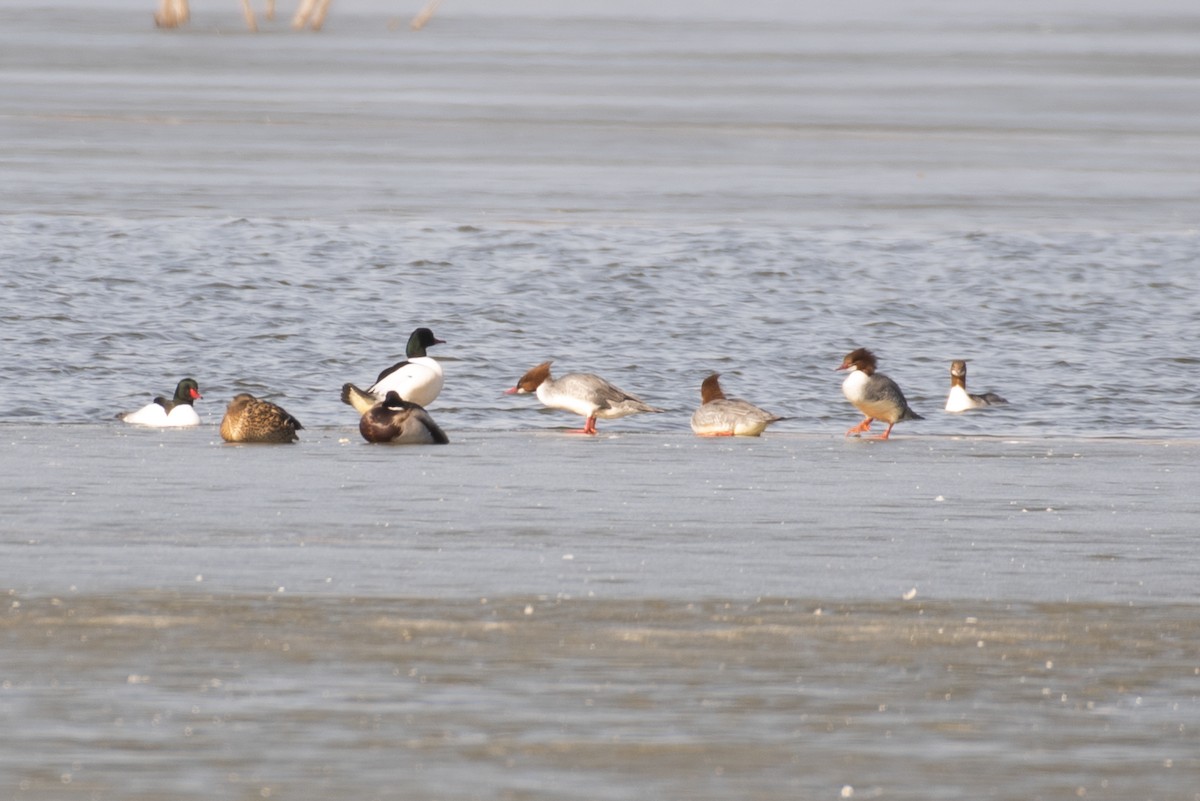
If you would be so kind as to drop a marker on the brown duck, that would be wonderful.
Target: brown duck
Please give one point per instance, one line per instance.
(248, 419)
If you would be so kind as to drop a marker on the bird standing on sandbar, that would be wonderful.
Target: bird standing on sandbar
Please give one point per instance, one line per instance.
(874, 394)
(582, 393)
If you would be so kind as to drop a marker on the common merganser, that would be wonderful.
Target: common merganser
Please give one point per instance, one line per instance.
(397, 421)
(248, 419)
(874, 394)
(417, 379)
(959, 400)
(719, 416)
(582, 393)
(163, 413)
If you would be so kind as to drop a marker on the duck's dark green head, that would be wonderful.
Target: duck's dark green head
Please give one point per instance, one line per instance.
(187, 391)
(419, 340)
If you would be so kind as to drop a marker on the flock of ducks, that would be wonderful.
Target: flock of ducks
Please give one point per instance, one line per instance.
(392, 410)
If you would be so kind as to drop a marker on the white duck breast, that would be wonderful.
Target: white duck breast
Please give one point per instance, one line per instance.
(157, 416)
(959, 400)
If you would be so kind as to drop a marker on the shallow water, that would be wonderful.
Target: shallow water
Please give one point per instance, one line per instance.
(521, 697)
(526, 614)
(997, 604)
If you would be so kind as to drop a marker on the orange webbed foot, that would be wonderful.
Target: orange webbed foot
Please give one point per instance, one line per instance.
(885, 434)
(589, 427)
(865, 425)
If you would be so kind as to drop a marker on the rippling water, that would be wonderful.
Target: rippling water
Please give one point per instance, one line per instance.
(1081, 332)
(996, 605)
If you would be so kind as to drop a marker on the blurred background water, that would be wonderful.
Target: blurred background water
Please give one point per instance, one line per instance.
(995, 605)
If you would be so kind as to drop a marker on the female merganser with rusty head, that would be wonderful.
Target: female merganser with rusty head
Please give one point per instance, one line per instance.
(248, 419)
(719, 416)
(959, 400)
(397, 421)
(163, 413)
(417, 379)
(874, 394)
(582, 393)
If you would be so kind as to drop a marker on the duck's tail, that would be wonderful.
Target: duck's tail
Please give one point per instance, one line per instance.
(361, 401)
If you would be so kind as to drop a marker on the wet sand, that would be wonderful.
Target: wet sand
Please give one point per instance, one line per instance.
(112, 508)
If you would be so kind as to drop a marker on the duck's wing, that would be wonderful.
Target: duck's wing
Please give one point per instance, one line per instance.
(392, 369)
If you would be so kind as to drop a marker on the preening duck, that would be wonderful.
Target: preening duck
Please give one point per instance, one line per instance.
(581, 393)
(397, 421)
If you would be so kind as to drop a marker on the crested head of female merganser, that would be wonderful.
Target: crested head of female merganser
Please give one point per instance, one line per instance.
(418, 379)
(582, 393)
(164, 413)
(400, 422)
(874, 394)
(719, 416)
(959, 400)
(248, 419)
